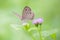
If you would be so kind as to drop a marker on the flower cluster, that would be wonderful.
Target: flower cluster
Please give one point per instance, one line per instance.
(38, 21)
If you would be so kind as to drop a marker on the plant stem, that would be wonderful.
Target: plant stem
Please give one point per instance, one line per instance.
(40, 33)
(32, 36)
(40, 30)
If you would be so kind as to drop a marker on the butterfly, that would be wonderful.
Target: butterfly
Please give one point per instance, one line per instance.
(27, 14)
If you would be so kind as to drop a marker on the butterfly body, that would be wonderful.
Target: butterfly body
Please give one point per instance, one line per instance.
(27, 14)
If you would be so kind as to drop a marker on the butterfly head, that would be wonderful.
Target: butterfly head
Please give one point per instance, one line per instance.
(26, 8)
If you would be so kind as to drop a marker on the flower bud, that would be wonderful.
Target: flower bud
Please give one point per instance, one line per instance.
(35, 22)
(40, 21)
(26, 26)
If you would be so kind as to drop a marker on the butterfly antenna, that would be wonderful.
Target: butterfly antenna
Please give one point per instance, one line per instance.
(16, 14)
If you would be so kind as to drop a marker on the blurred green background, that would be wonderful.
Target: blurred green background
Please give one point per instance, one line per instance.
(47, 9)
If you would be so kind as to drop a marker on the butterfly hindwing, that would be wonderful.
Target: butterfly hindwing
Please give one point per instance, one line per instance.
(27, 14)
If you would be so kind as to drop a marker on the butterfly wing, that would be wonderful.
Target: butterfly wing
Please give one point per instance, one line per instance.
(27, 14)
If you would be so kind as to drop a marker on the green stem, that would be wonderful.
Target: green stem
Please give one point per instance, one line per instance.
(32, 36)
(40, 33)
(40, 30)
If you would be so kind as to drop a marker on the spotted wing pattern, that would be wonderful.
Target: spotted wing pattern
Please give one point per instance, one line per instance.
(27, 14)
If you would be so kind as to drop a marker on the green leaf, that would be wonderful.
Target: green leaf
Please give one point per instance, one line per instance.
(49, 32)
(53, 36)
(32, 29)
